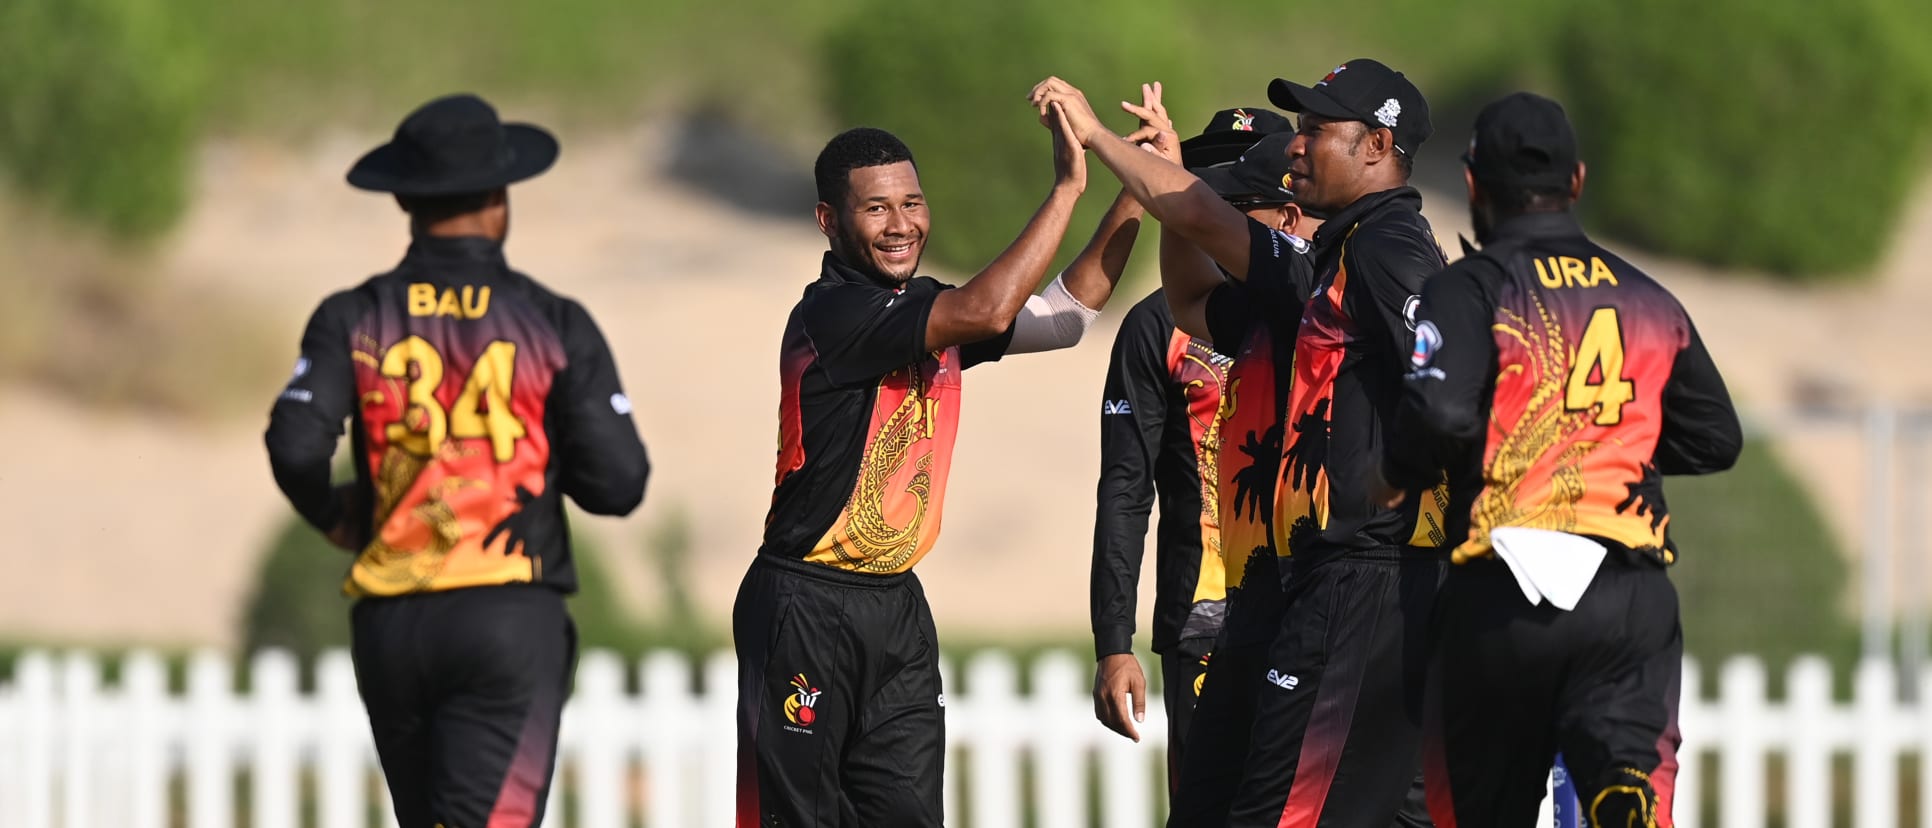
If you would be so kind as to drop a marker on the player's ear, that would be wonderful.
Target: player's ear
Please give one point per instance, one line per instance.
(1576, 181)
(828, 220)
(1381, 144)
(1292, 215)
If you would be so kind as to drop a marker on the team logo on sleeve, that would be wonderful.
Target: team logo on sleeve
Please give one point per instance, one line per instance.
(1428, 340)
(799, 705)
(1201, 680)
(1409, 308)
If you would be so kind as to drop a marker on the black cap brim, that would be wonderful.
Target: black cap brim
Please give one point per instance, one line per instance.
(1297, 98)
(532, 150)
(1217, 147)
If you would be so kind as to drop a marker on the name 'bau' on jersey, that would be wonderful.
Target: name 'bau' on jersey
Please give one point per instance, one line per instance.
(866, 422)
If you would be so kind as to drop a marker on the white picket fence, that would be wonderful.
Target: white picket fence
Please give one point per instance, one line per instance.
(76, 752)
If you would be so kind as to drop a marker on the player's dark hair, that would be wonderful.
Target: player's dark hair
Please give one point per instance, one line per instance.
(1406, 163)
(850, 150)
(432, 209)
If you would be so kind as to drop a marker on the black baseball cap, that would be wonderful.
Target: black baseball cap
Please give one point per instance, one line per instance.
(1260, 174)
(1362, 90)
(1522, 141)
(1230, 132)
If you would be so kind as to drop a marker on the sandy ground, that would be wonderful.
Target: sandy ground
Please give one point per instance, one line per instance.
(128, 530)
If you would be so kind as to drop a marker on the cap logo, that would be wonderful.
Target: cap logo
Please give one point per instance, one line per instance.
(1390, 110)
(1242, 121)
(1287, 184)
(1331, 75)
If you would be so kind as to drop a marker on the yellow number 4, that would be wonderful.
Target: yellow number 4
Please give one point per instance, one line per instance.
(1600, 354)
(489, 383)
(425, 425)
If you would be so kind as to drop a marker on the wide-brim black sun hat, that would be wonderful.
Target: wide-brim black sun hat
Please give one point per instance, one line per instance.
(454, 145)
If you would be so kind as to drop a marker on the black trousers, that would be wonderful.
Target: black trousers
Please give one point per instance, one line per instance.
(1338, 718)
(1512, 684)
(1183, 673)
(841, 718)
(1222, 724)
(465, 690)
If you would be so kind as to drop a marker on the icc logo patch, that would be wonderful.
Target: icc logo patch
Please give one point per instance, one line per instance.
(799, 705)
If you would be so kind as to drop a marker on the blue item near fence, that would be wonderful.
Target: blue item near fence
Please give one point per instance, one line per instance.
(1563, 801)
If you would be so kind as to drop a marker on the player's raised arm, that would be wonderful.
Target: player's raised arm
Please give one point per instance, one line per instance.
(986, 306)
(1170, 193)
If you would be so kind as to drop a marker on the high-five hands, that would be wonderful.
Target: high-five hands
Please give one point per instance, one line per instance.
(1082, 124)
(1156, 133)
(1069, 154)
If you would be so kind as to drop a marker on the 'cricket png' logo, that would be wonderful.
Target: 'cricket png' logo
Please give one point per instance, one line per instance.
(798, 705)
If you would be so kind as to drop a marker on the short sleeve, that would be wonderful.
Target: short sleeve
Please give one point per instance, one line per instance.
(1231, 314)
(1281, 274)
(861, 332)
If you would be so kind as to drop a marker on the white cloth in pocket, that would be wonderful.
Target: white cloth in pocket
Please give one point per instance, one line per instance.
(1552, 566)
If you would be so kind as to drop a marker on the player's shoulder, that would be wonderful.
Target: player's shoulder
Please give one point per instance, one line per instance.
(1474, 272)
(348, 305)
(1152, 309)
(1393, 232)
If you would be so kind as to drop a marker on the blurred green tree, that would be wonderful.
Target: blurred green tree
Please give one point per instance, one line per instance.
(952, 79)
(1778, 135)
(100, 104)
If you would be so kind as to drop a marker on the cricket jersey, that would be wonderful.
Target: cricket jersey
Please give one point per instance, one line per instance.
(867, 417)
(477, 399)
(1371, 259)
(1253, 320)
(1575, 380)
(1159, 436)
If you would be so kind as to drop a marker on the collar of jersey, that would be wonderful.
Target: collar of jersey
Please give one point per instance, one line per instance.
(1538, 226)
(838, 270)
(476, 249)
(1344, 221)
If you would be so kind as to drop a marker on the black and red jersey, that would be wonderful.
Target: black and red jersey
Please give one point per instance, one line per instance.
(1558, 382)
(478, 399)
(1354, 337)
(1159, 434)
(867, 415)
(1253, 320)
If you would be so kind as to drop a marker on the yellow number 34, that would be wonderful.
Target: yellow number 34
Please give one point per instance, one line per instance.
(482, 410)
(1601, 348)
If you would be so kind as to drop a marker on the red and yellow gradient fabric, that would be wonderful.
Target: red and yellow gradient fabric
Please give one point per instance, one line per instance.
(1311, 448)
(1568, 431)
(891, 519)
(1201, 373)
(453, 411)
(1320, 345)
(1248, 425)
